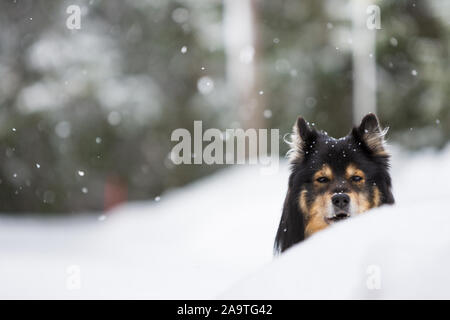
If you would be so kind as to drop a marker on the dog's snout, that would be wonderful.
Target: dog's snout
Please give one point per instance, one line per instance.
(340, 200)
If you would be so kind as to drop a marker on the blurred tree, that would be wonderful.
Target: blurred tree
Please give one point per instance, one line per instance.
(243, 54)
(91, 110)
(86, 115)
(413, 83)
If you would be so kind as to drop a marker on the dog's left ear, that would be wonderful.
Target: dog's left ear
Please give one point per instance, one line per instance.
(371, 134)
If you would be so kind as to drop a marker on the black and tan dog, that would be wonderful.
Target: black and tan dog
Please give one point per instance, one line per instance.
(333, 179)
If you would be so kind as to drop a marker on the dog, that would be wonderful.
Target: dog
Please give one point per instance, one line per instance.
(332, 179)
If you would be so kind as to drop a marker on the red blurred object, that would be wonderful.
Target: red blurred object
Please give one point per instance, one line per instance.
(115, 192)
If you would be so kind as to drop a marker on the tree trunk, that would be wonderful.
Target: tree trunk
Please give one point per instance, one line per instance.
(364, 62)
(241, 46)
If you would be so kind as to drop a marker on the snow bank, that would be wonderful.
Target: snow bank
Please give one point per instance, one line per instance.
(192, 244)
(198, 242)
(392, 253)
(395, 252)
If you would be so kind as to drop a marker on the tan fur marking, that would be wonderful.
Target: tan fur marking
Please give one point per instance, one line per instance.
(316, 215)
(315, 224)
(376, 197)
(360, 200)
(352, 170)
(325, 171)
(302, 202)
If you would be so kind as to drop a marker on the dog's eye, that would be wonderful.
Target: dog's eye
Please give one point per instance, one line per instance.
(322, 179)
(356, 178)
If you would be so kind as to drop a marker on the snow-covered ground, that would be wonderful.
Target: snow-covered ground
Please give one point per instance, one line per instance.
(217, 234)
(193, 243)
(389, 254)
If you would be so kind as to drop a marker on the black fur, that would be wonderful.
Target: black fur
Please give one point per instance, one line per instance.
(311, 149)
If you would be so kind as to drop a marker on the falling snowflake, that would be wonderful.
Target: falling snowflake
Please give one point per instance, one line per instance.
(63, 129)
(114, 118)
(205, 85)
(393, 42)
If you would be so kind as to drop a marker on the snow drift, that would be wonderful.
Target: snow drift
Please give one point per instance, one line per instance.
(192, 244)
(391, 253)
(217, 234)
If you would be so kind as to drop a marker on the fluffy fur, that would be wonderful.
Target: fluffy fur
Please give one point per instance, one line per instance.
(332, 179)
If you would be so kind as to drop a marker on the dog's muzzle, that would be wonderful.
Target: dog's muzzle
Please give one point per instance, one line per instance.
(341, 206)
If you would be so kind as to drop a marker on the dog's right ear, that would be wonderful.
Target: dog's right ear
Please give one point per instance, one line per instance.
(300, 134)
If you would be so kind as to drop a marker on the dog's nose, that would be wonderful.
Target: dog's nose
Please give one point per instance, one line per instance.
(340, 200)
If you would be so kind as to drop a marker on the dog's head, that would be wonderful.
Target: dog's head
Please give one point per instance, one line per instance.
(333, 179)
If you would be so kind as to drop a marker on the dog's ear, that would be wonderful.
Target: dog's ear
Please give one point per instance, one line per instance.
(371, 134)
(302, 129)
(301, 133)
